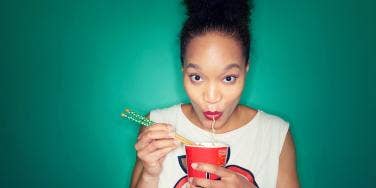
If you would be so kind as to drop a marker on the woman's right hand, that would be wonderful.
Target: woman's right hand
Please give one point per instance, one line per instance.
(153, 144)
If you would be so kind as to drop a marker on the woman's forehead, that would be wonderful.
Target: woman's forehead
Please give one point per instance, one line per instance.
(213, 50)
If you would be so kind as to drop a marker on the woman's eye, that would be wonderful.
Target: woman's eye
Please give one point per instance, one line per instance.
(229, 79)
(195, 78)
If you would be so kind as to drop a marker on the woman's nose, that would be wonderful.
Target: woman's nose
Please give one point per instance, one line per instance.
(212, 94)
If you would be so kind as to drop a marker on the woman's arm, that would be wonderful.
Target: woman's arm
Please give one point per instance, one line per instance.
(287, 175)
(137, 170)
(153, 144)
(139, 179)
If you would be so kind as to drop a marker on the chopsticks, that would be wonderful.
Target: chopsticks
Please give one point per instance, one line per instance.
(135, 117)
(184, 140)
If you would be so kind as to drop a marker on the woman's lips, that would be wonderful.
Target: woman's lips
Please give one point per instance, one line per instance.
(210, 115)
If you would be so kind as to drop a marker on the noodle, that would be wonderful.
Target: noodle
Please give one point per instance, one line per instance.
(213, 131)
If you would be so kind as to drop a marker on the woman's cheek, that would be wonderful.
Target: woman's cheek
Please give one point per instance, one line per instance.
(192, 91)
(233, 93)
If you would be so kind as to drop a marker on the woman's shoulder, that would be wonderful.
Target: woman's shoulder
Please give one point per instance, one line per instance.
(273, 124)
(164, 113)
(270, 128)
(272, 119)
(263, 117)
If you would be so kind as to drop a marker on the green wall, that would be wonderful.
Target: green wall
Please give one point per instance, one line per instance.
(68, 68)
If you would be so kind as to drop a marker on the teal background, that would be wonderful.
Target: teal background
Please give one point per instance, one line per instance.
(68, 68)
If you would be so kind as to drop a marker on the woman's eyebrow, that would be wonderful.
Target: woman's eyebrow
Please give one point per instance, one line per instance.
(228, 67)
(234, 65)
(192, 65)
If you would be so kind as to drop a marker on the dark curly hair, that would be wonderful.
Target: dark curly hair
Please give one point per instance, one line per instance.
(230, 17)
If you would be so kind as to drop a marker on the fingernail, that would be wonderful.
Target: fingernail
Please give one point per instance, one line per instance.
(194, 165)
(190, 180)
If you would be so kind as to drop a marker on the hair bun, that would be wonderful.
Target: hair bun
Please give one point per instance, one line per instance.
(214, 11)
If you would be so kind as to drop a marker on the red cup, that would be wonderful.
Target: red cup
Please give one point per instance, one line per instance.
(206, 152)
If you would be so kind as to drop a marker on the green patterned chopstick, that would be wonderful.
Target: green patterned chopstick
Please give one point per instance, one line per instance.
(135, 117)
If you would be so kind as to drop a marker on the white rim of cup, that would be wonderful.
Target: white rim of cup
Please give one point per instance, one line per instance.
(209, 145)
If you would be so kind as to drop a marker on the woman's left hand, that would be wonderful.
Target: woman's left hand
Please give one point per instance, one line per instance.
(228, 179)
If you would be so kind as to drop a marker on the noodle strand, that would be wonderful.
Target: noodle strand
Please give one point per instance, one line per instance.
(213, 131)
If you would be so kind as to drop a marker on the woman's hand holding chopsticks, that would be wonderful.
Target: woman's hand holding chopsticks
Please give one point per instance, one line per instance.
(153, 144)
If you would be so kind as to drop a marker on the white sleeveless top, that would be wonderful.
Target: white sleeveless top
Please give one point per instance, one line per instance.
(254, 147)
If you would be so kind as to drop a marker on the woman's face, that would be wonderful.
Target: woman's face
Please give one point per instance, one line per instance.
(214, 75)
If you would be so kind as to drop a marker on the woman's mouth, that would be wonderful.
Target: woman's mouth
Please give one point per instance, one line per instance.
(212, 115)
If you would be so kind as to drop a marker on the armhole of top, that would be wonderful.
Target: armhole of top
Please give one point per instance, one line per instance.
(284, 130)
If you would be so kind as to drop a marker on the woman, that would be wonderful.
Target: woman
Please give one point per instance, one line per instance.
(215, 45)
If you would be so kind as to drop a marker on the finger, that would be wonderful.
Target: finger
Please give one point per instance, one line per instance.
(148, 137)
(191, 186)
(162, 159)
(160, 128)
(158, 154)
(201, 182)
(159, 144)
(157, 127)
(217, 170)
